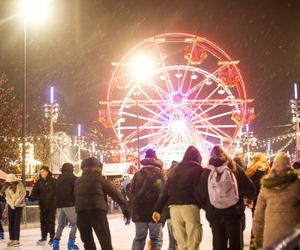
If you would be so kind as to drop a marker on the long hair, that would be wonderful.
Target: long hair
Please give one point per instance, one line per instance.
(192, 154)
(218, 153)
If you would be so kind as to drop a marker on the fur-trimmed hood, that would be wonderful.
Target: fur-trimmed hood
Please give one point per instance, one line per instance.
(279, 181)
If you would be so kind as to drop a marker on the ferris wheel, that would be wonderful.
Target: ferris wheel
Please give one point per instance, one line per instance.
(175, 90)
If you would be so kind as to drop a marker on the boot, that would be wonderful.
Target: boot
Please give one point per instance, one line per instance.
(55, 245)
(71, 245)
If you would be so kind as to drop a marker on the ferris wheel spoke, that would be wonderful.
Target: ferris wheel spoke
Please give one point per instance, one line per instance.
(144, 137)
(188, 64)
(134, 127)
(216, 126)
(151, 111)
(216, 116)
(200, 105)
(216, 130)
(211, 75)
(166, 73)
(212, 135)
(163, 140)
(140, 117)
(162, 93)
(142, 127)
(151, 100)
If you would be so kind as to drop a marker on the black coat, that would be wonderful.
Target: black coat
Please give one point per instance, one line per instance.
(180, 186)
(246, 190)
(146, 186)
(65, 190)
(44, 190)
(91, 190)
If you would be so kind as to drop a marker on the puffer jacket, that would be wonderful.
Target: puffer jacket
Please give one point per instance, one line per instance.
(278, 207)
(91, 190)
(146, 186)
(44, 190)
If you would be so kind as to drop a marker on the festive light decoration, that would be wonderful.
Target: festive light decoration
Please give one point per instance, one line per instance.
(195, 54)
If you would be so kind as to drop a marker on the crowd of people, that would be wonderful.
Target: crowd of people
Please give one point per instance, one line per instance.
(223, 189)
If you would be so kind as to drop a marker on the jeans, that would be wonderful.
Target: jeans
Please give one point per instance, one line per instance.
(14, 221)
(172, 241)
(47, 219)
(227, 234)
(94, 219)
(141, 231)
(66, 214)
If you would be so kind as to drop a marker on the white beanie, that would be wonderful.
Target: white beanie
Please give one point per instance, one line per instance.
(11, 178)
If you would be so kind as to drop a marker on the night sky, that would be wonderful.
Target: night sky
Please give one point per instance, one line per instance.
(74, 49)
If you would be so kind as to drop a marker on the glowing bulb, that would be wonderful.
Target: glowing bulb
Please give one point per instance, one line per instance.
(208, 82)
(178, 75)
(35, 10)
(141, 67)
(194, 76)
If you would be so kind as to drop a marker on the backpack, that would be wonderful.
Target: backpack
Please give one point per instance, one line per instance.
(222, 188)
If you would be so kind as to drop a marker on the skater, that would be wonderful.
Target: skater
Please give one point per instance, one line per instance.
(277, 209)
(14, 193)
(65, 203)
(146, 186)
(91, 204)
(44, 191)
(178, 195)
(224, 212)
(2, 206)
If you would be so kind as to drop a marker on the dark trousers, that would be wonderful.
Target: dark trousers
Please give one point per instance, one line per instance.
(14, 221)
(1, 227)
(97, 220)
(227, 234)
(47, 219)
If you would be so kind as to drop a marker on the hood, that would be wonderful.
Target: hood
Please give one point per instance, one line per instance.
(10, 178)
(152, 162)
(189, 164)
(279, 181)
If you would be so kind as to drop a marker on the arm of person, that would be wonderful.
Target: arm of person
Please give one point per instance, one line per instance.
(35, 193)
(21, 195)
(247, 188)
(111, 190)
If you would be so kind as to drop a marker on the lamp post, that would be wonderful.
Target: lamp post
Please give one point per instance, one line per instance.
(79, 142)
(31, 11)
(141, 69)
(51, 112)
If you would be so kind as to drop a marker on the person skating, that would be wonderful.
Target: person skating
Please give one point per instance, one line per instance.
(14, 192)
(44, 190)
(178, 195)
(146, 187)
(277, 209)
(2, 205)
(224, 211)
(65, 203)
(91, 204)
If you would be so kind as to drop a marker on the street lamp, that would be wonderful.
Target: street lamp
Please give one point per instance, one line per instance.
(296, 119)
(80, 142)
(141, 68)
(31, 11)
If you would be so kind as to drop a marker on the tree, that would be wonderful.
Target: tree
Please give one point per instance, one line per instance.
(10, 122)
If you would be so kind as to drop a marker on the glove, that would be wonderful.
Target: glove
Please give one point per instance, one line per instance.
(126, 217)
(257, 242)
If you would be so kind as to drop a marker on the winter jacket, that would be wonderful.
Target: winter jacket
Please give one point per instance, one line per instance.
(278, 207)
(17, 198)
(245, 187)
(44, 190)
(146, 186)
(91, 190)
(180, 186)
(65, 190)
